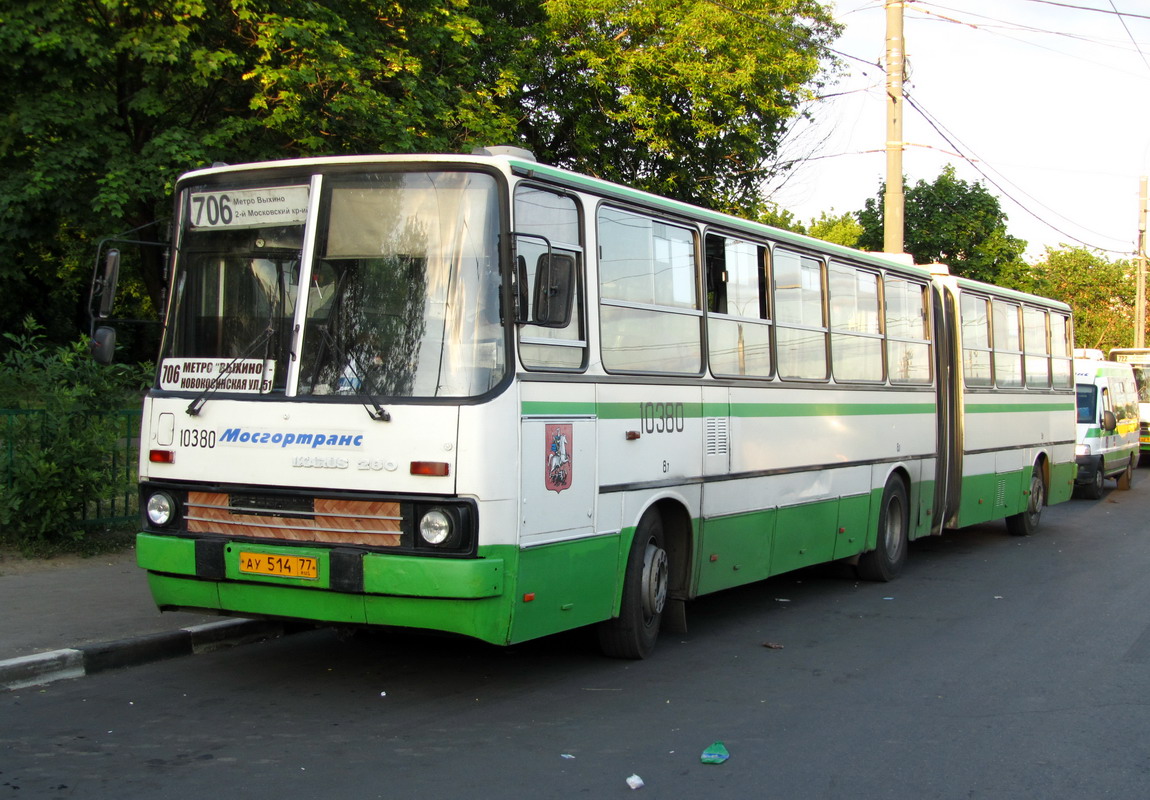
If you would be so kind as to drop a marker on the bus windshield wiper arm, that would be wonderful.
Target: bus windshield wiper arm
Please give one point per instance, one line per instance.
(198, 403)
(376, 411)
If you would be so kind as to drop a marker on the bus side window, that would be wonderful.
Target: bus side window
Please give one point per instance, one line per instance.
(907, 331)
(1035, 346)
(975, 326)
(1061, 367)
(542, 218)
(856, 335)
(649, 311)
(800, 323)
(738, 333)
(1007, 345)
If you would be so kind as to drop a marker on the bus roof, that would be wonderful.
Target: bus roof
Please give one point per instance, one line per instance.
(508, 161)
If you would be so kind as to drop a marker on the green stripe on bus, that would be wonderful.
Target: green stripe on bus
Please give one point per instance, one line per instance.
(828, 409)
(632, 410)
(1007, 408)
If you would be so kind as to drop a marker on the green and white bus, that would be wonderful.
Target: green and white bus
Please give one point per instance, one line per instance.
(1139, 359)
(483, 395)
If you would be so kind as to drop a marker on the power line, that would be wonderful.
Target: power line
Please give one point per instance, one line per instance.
(1126, 28)
(974, 162)
(1083, 8)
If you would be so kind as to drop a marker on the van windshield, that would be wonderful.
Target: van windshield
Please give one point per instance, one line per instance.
(1087, 403)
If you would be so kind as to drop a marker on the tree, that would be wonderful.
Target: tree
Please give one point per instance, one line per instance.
(952, 222)
(1100, 291)
(109, 101)
(843, 229)
(685, 98)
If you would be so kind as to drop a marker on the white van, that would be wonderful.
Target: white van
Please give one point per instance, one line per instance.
(1107, 443)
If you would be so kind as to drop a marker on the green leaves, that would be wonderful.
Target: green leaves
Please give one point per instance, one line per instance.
(687, 99)
(1100, 291)
(59, 428)
(953, 222)
(108, 101)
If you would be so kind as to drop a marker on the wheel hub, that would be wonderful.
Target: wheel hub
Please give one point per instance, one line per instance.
(654, 580)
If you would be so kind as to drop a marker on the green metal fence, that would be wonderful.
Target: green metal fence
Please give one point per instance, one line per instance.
(22, 430)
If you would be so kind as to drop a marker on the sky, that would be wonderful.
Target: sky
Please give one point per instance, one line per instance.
(1046, 103)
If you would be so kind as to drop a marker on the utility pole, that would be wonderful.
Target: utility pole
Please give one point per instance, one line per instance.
(1140, 294)
(893, 205)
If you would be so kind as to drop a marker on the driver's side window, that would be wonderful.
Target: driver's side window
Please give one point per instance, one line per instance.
(544, 218)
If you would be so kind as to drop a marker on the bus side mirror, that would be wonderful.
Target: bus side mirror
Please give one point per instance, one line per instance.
(103, 345)
(554, 290)
(108, 284)
(1109, 421)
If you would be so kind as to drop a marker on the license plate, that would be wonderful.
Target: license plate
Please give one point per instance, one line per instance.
(283, 566)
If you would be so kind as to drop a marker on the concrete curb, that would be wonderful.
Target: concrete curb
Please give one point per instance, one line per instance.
(75, 662)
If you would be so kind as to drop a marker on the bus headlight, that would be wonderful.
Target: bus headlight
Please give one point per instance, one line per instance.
(436, 528)
(1082, 450)
(161, 509)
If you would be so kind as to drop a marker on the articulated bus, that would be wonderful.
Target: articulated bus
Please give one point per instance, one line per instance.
(1139, 359)
(482, 395)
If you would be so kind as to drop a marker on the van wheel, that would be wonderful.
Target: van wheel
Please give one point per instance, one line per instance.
(1093, 490)
(1126, 479)
(1026, 522)
(885, 562)
(645, 584)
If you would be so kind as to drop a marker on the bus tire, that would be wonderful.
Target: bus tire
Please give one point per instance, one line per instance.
(645, 585)
(1026, 521)
(1126, 479)
(885, 562)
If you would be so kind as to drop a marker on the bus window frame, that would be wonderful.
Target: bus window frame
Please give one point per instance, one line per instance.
(698, 312)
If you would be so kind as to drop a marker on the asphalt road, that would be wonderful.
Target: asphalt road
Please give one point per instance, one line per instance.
(995, 667)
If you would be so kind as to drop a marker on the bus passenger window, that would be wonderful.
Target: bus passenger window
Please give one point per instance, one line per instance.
(801, 326)
(1007, 345)
(1061, 368)
(739, 337)
(856, 338)
(1035, 347)
(975, 325)
(907, 331)
(649, 313)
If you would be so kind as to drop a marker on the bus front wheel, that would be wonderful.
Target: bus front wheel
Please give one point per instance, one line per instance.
(885, 562)
(633, 633)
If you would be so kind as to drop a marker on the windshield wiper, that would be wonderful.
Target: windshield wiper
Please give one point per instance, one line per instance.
(375, 411)
(198, 403)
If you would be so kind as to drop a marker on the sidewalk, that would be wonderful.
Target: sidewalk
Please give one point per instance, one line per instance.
(69, 616)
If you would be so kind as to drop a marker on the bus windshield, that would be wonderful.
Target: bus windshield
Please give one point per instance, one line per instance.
(401, 299)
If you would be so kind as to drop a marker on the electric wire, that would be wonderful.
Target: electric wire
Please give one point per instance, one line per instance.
(974, 162)
(961, 149)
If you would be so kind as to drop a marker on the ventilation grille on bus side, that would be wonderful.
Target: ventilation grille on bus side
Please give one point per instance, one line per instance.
(718, 436)
(1000, 495)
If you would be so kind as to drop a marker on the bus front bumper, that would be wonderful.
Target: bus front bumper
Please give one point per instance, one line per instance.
(341, 585)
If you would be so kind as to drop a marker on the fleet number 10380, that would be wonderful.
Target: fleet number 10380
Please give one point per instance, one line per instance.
(197, 437)
(662, 417)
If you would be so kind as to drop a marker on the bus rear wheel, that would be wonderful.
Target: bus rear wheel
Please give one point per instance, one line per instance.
(645, 584)
(885, 562)
(1026, 522)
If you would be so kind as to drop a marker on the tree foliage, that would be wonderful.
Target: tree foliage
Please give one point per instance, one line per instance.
(953, 222)
(686, 98)
(109, 101)
(1100, 291)
(844, 229)
(58, 439)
